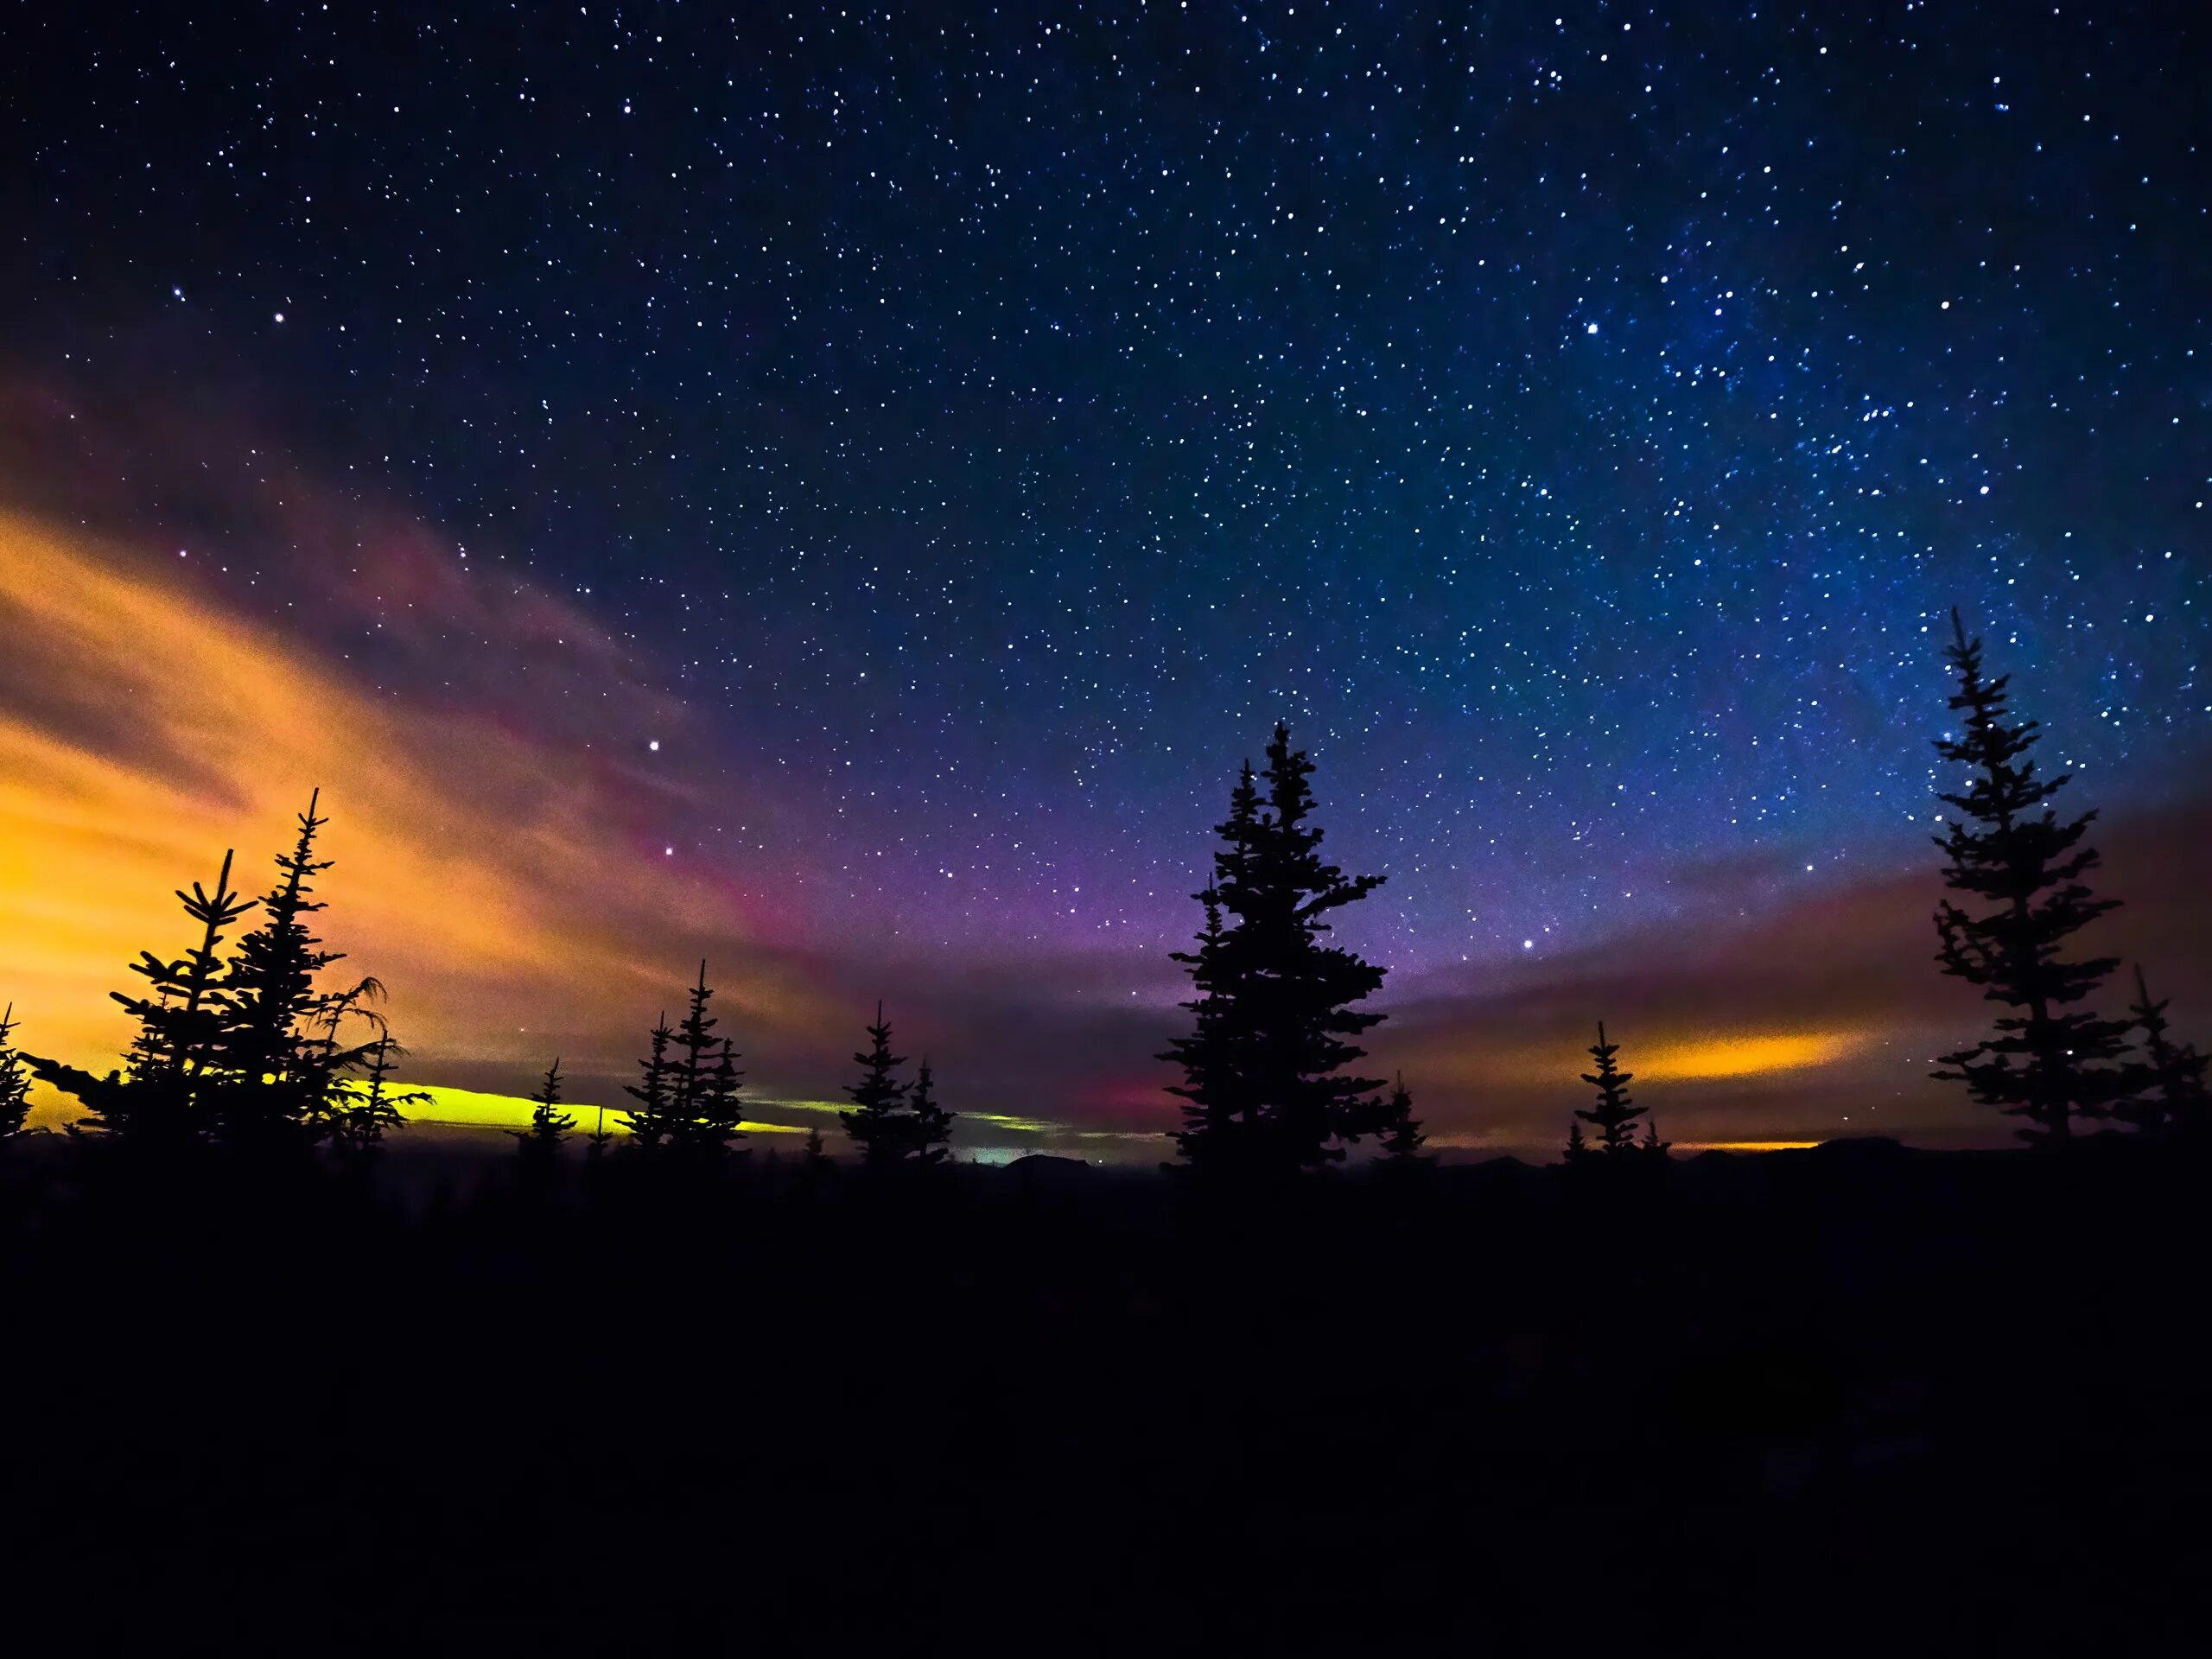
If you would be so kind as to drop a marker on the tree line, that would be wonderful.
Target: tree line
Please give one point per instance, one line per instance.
(249, 1049)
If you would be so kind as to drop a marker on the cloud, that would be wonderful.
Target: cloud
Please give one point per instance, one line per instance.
(492, 873)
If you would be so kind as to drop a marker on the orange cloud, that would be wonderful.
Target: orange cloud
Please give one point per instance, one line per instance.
(491, 877)
(1747, 1054)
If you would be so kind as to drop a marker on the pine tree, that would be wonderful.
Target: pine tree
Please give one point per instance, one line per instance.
(2166, 1088)
(876, 1125)
(816, 1158)
(161, 1099)
(370, 1108)
(704, 1110)
(1613, 1116)
(601, 1137)
(648, 1121)
(241, 1049)
(1273, 1016)
(1577, 1147)
(719, 1118)
(1652, 1146)
(1402, 1139)
(1217, 1058)
(540, 1144)
(930, 1131)
(278, 1052)
(2049, 1064)
(14, 1080)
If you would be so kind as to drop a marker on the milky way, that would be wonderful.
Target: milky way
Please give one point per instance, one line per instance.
(1576, 424)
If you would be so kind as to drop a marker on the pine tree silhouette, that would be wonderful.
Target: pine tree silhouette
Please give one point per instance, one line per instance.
(366, 1111)
(1613, 1116)
(930, 1130)
(243, 1050)
(648, 1121)
(2047, 1063)
(540, 1144)
(816, 1158)
(1652, 1146)
(1577, 1147)
(281, 1075)
(601, 1137)
(2166, 1089)
(159, 1100)
(1273, 1015)
(15, 1079)
(1218, 1057)
(704, 1110)
(876, 1125)
(1402, 1139)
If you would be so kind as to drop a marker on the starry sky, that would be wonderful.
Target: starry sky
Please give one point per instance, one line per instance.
(839, 491)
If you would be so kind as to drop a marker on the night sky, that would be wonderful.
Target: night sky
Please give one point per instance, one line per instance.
(839, 491)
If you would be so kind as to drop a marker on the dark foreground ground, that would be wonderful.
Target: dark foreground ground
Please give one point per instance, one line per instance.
(1858, 1398)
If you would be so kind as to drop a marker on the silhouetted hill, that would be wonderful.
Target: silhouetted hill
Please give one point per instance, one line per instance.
(1046, 1169)
(1674, 1409)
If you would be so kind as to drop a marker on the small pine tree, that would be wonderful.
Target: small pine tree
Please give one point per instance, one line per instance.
(1613, 1116)
(2047, 1065)
(370, 1108)
(2166, 1089)
(875, 1125)
(1577, 1147)
(1652, 1146)
(1402, 1139)
(929, 1125)
(815, 1158)
(540, 1144)
(14, 1080)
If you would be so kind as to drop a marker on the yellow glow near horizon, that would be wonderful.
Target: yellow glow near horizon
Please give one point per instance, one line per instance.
(1008, 1120)
(1741, 1054)
(1746, 1145)
(472, 1109)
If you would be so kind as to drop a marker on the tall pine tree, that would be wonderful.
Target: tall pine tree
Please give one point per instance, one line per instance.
(242, 1047)
(930, 1133)
(1614, 1114)
(1217, 1058)
(161, 1100)
(1273, 1018)
(2049, 1062)
(875, 1124)
(283, 1052)
(704, 1110)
